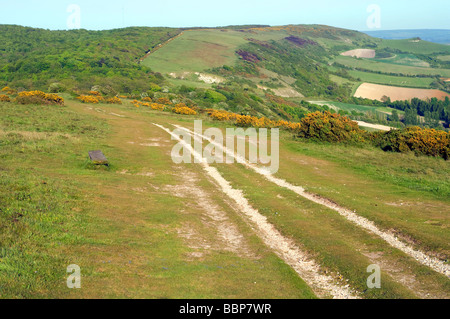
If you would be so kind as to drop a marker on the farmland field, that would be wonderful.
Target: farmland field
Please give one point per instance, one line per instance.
(391, 80)
(414, 46)
(390, 68)
(404, 59)
(376, 92)
(444, 57)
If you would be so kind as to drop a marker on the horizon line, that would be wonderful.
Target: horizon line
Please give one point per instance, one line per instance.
(227, 26)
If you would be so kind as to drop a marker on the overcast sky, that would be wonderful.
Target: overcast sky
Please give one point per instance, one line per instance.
(109, 14)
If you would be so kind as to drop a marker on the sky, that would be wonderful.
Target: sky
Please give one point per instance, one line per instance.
(359, 15)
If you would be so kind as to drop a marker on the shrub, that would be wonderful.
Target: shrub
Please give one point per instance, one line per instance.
(56, 88)
(95, 93)
(8, 90)
(184, 110)
(215, 97)
(88, 99)
(157, 106)
(251, 121)
(164, 100)
(4, 98)
(155, 87)
(421, 141)
(221, 115)
(330, 127)
(114, 100)
(38, 97)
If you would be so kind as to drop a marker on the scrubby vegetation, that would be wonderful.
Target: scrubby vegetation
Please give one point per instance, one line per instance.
(420, 141)
(57, 61)
(331, 128)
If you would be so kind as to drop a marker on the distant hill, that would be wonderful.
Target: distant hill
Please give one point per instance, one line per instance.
(243, 64)
(436, 36)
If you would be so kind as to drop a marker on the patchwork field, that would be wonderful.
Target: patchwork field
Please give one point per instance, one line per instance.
(405, 59)
(391, 80)
(414, 46)
(444, 57)
(376, 92)
(390, 68)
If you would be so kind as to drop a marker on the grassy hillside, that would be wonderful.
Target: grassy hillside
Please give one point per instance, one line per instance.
(154, 229)
(254, 70)
(197, 51)
(387, 68)
(414, 46)
(297, 52)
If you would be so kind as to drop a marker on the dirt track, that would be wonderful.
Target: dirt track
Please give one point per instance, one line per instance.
(432, 262)
(306, 267)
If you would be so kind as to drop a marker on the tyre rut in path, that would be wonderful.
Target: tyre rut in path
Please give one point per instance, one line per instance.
(362, 222)
(323, 285)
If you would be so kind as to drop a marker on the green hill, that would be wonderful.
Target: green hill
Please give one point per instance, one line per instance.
(79, 59)
(255, 70)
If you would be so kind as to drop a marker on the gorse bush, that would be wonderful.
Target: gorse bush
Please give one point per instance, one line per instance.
(89, 99)
(331, 128)
(114, 100)
(157, 106)
(251, 121)
(163, 100)
(4, 98)
(184, 110)
(8, 90)
(421, 141)
(38, 97)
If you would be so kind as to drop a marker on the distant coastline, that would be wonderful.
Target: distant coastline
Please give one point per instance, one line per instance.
(441, 36)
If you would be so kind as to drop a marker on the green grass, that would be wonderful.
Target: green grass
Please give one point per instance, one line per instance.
(38, 211)
(389, 68)
(358, 108)
(404, 59)
(408, 193)
(377, 183)
(392, 80)
(56, 211)
(196, 51)
(421, 47)
(124, 228)
(307, 223)
(445, 58)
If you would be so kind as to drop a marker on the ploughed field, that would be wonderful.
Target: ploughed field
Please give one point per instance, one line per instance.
(377, 92)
